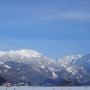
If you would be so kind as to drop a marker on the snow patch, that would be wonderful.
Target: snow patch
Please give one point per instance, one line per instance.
(6, 66)
(54, 75)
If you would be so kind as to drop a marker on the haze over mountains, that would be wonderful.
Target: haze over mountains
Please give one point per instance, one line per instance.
(29, 66)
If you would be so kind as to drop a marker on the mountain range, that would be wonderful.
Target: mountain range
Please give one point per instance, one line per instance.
(31, 67)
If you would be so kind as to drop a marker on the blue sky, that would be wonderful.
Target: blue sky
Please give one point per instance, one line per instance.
(52, 27)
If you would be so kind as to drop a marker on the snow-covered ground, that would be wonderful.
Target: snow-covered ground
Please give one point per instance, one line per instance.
(44, 88)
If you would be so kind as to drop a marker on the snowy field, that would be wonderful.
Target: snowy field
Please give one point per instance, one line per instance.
(44, 88)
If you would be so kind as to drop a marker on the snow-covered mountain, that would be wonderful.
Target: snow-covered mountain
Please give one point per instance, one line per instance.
(77, 68)
(30, 66)
(27, 66)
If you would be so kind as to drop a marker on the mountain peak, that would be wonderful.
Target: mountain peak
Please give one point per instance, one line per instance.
(23, 52)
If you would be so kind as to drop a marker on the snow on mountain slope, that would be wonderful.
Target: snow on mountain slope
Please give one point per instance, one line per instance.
(81, 61)
(68, 60)
(23, 53)
(77, 68)
(84, 62)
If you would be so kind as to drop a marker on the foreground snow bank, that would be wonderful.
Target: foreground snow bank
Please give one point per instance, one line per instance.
(44, 88)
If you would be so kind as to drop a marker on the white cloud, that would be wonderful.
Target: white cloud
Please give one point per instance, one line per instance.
(64, 15)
